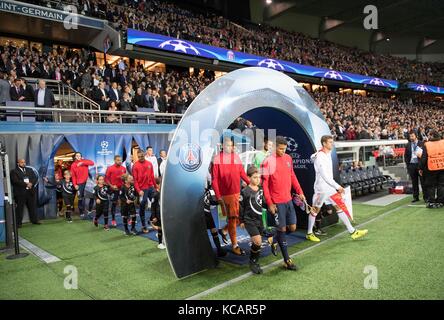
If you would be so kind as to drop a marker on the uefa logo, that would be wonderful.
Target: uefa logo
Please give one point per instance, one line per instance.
(190, 157)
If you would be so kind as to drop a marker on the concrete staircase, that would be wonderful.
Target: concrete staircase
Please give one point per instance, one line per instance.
(398, 172)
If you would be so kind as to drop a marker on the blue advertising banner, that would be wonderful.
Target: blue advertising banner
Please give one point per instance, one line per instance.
(425, 88)
(151, 40)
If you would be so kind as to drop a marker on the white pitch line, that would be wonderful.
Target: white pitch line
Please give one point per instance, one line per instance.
(38, 252)
(277, 262)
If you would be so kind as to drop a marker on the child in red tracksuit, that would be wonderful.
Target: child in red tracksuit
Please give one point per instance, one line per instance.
(80, 173)
(145, 184)
(113, 179)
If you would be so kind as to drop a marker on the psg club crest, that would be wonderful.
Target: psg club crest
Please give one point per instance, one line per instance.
(190, 157)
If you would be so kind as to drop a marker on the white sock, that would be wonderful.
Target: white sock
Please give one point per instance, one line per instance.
(311, 222)
(345, 221)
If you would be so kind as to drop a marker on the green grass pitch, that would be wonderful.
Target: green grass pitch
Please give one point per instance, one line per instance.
(405, 246)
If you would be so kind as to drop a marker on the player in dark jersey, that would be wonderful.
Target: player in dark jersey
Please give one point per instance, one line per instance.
(68, 191)
(156, 222)
(128, 196)
(210, 201)
(102, 195)
(252, 202)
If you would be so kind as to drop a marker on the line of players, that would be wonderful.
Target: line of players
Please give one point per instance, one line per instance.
(116, 185)
(268, 192)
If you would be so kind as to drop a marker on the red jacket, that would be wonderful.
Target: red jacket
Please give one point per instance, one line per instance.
(226, 174)
(278, 178)
(113, 175)
(79, 171)
(143, 174)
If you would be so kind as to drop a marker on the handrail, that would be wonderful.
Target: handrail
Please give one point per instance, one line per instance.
(94, 114)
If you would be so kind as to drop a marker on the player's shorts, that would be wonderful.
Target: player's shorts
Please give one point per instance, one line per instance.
(319, 199)
(286, 215)
(209, 220)
(254, 229)
(230, 207)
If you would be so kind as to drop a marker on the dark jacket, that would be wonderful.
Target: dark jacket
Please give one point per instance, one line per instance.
(127, 106)
(112, 95)
(17, 181)
(408, 151)
(97, 97)
(16, 95)
(49, 99)
(140, 101)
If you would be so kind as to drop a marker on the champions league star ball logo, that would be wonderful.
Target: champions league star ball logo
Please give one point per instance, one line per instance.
(333, 75)
(292, 145)
(270, 63)
(104, 144)
(179, 46)
(377, 82)
(422, 88)
(190, 157)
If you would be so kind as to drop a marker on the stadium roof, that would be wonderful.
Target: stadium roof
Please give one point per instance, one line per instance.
(424, 19)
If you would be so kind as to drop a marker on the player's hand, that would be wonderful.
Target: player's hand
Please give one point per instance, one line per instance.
(302, 197)
(220, 201)
(242, 225)
(341, 189)
(272, 208)
(29, 185)
(129, 201)
(141, 193)
(76, 187)
(45, 179)
(420, 172)
(114, 187)
(98, 201)
(243, 184)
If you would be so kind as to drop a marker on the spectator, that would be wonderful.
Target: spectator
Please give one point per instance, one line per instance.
(44, 98)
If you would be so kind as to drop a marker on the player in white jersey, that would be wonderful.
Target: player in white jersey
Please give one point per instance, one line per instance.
(324, 187)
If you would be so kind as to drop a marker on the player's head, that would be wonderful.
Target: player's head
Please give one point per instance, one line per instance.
(253, 174)
(268, 144)
(327, 142)
(412, 136)
(149, 151)
(140, 155)
(77, 156)
(117, 160)
(100, 179)
(228, 145)
(163, 153)
(281, 146)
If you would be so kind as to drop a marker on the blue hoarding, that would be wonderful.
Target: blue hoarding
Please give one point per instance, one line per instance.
(151, 40)
(425, 88)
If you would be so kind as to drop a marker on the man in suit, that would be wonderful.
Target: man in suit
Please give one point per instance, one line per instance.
(140, 99)
(5, 87)
(23, 180)
(17, 92)
(101, 96)
(44, 98)
(412, 161)
(114, 93)
(29, 90)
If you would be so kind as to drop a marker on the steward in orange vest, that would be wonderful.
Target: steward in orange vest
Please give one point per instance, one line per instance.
(432, 164)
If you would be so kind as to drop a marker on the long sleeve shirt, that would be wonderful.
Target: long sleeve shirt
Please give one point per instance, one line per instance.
(143, 174)
(323, 165)
(226, 174)
(278, 178)
(79, 171)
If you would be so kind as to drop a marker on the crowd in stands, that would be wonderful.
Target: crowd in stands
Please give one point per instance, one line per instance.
(352, 117)
(117, 87)
(128, 88)
(170, 19)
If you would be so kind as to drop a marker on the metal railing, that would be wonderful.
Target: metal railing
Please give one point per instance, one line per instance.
(87, 115)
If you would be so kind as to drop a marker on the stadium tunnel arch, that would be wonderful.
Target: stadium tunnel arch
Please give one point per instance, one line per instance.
(270, 99)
